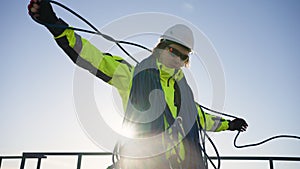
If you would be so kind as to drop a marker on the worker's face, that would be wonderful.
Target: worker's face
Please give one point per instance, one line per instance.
(174, 56)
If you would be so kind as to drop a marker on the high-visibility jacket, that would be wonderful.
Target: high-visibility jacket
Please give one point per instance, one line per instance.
(115, 71)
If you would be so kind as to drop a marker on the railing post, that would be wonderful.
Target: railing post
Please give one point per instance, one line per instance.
(79, 161)
(22, 166)
(271, 164)
(38, 166)
(0, 161)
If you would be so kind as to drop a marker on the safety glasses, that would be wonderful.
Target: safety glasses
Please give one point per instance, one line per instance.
(175, 52)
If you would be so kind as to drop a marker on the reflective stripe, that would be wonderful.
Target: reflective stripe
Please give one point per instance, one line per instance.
(211, 122)
(78, 44)
(217, 123)
(74, 39)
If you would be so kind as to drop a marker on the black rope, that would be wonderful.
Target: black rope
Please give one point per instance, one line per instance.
(210, 140)
(218, 112)
(262, 142)
(97, 32)
(254, 144)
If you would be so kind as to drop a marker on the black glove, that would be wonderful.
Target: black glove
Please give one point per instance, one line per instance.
(238, 124)
(42, 12)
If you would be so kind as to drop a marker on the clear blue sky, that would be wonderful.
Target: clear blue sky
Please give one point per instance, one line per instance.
(257, 43)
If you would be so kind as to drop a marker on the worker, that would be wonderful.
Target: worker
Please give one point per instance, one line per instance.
(156, 97)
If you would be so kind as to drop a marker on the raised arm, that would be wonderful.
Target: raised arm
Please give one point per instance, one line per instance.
(111, 69)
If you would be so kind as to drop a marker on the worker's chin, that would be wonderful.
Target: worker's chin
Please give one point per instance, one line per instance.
(172, 66)
(175, 66)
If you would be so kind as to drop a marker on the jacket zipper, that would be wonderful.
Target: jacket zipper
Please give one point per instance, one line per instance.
(168, 82)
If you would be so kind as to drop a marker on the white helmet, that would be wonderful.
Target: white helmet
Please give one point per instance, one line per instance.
(181, 34)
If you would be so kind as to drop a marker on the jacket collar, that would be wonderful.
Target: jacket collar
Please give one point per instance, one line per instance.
(167, 73)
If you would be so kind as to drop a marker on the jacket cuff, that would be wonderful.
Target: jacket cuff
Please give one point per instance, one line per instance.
(228, 125)
(58, 27)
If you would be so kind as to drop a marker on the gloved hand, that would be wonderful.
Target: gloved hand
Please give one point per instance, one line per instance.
(238, 124)
(42, 11)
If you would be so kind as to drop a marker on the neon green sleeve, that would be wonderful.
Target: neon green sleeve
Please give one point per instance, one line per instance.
(114, 70)
(211, 122)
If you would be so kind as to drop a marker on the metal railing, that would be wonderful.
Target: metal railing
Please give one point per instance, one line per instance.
(21, 158)
(258, 158)
(43, 155)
